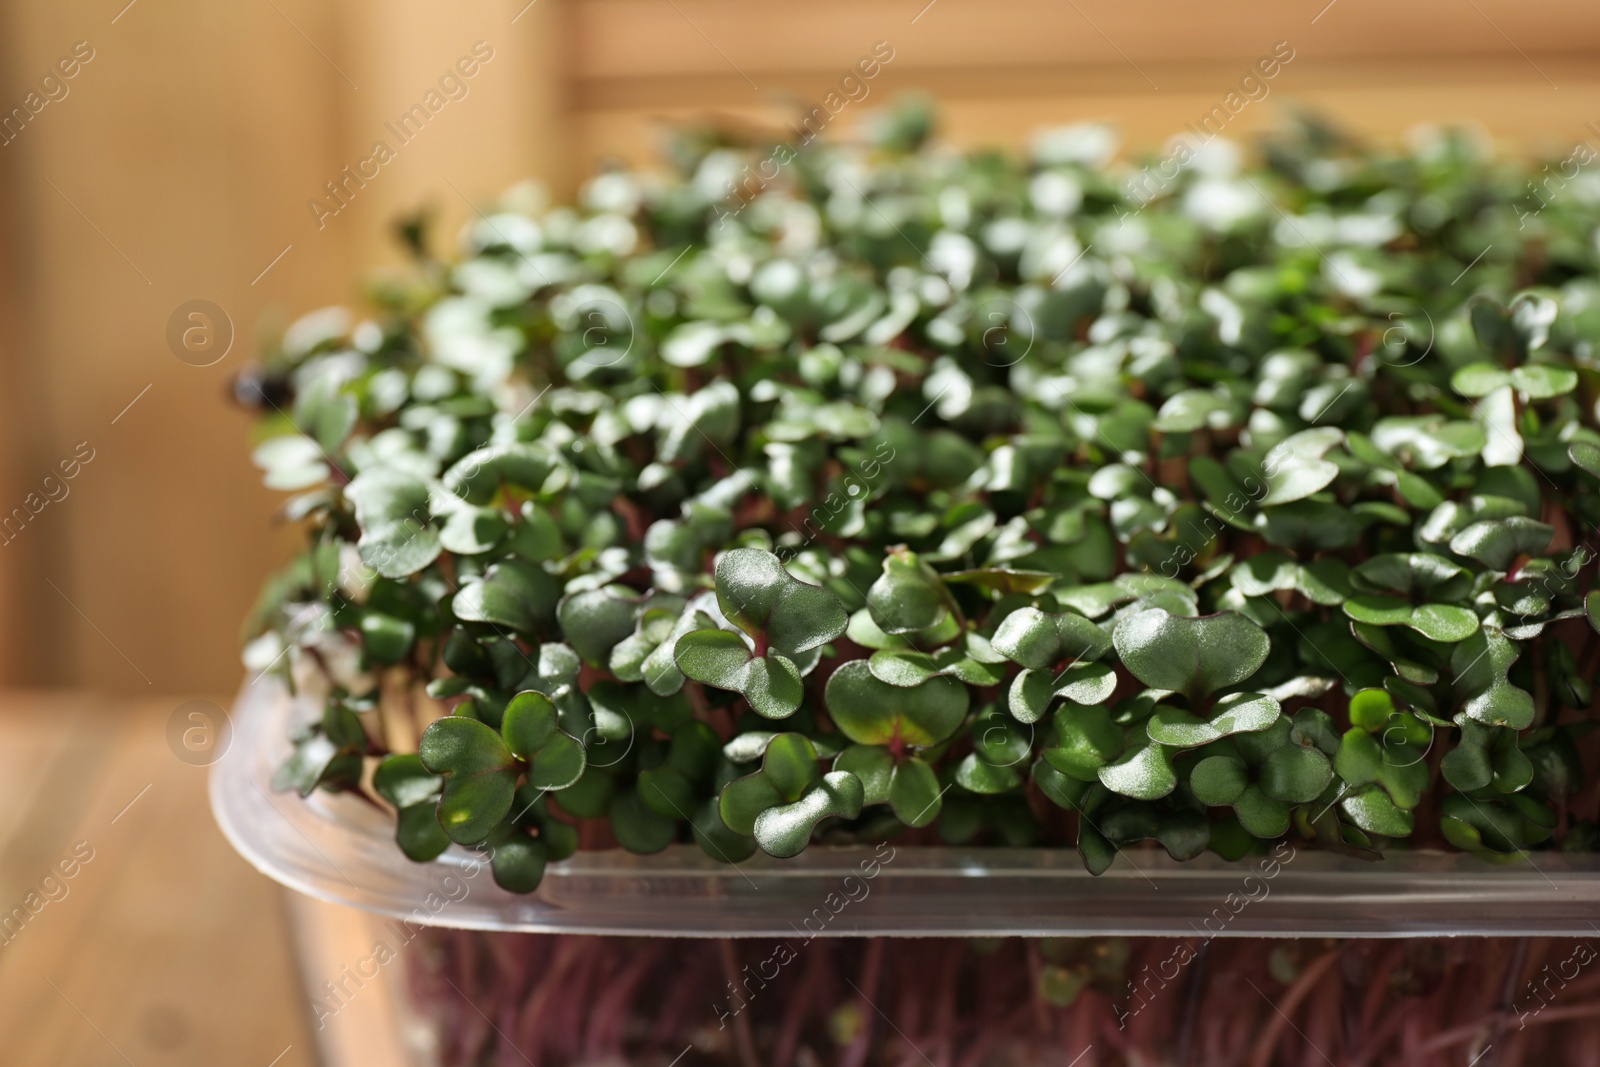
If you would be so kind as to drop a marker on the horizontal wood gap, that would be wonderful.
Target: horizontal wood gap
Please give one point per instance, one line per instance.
(805, 89)
(623, 38)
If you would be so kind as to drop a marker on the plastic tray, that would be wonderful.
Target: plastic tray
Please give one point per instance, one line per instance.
(342, 850)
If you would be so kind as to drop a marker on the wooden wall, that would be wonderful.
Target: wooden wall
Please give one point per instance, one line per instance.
(179, 163)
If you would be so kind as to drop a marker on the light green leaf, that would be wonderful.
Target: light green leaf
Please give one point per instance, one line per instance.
(871, 712)
(1541, 381)
(1144, 773)
(1295, 467)
(1479, 379)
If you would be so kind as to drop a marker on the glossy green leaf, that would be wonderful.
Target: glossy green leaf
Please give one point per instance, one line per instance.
(1496, 543)
(1371, 809)
(1082, 741)
(1586, 455)
(595, 621)
(1371, 709)
(397, 533)
(1437, 622)
(788, 766)
(1295, 774)
(1219, 780)
(1541, 381)
(785, 830)
(1480, 665)
(638, 828)
(978, 776)
(660, 668)
(518, 863)
(1143, 772)
(1295, 467)
(418, 833)
(480, 775)
(403, 781)
(721, 658)
(1195, 656)
(531, 728)
(1039, 640)
(871, 712)
(1262, 815)
(518, 596)
(1233, 714)
(715, 838)
(480, 474)
(874, 767)
(914, 793)
(764, 600)
(1479, 379)
(909, 596)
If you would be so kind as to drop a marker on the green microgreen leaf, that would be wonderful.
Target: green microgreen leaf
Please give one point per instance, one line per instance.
(1233, 714)
(770, 683)
(397, 533)
(872, 712)
(764, 600)
(629, 480)
(1039, 640)
(531, 728)
(480, 775)
(1194, 656)
(414, 791)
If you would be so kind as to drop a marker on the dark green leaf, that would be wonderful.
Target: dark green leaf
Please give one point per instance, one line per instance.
(764, 600)
(1195, 656)
(480, 775)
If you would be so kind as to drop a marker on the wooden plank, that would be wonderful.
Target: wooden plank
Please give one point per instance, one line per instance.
(1303, 74)
(179, 167)
(1503, 97)
(643, 38)
(176, 168)
(163, 947)
(495, 131)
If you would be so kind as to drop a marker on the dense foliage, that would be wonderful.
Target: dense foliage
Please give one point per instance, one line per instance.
(849, 492)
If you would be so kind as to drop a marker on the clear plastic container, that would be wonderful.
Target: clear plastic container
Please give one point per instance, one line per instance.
(341, 850)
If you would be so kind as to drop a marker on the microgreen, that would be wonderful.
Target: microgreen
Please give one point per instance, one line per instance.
(659, 525)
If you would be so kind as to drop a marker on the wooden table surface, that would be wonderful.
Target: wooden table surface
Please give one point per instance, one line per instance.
(163, 948)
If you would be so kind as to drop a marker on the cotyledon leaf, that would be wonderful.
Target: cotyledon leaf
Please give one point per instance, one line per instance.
(1195, 656)
(872, 712)
(785, 830)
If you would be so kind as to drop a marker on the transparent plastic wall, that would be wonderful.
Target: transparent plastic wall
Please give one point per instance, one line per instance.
(341, 850)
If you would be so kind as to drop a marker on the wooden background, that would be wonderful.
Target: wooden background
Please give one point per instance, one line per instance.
(179, 165)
